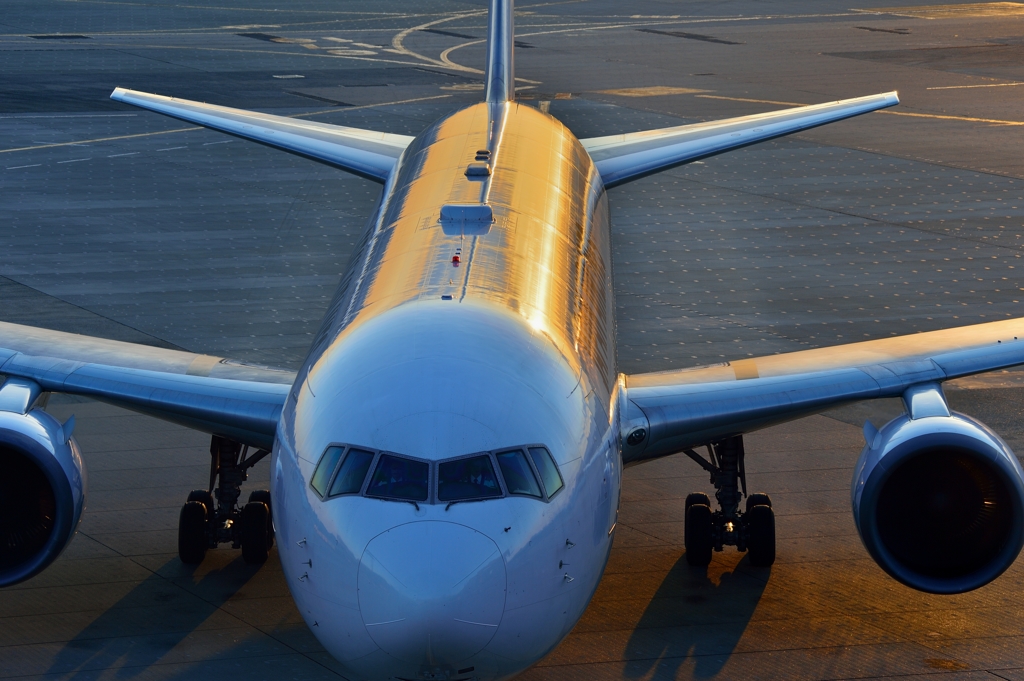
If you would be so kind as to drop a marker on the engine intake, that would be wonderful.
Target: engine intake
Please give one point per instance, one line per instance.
(42, 493)
(939, 502)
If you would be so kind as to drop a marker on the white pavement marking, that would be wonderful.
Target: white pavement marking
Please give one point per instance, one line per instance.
(399, 38)
(119, 115)
(75, 160)
(967, 87)
(167, 132)
(34, 165)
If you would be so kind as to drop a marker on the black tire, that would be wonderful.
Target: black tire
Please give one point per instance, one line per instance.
(263, 495)
(255, 532)
(192, 540)
(758, 500)
(696, 498)
(205, 498)
(761, 532)
(698, 539)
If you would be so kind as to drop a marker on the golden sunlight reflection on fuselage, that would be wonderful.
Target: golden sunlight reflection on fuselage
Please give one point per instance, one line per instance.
(542, 258)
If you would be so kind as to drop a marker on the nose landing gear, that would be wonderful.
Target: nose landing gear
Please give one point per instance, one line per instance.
(752, 530)
(204, 524)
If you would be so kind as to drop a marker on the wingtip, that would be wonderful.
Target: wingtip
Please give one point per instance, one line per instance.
(118, 94)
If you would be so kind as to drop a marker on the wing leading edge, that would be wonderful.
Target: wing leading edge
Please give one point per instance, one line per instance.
(367, 153)
(690, 407)
(624, 158)
(239, 401)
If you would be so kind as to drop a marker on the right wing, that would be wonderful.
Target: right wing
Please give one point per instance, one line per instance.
(681, 409)
(366, 153)
(239, 401)
(624, 158)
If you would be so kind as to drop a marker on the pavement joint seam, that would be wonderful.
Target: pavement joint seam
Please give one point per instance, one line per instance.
(165, 344)
(867, 218)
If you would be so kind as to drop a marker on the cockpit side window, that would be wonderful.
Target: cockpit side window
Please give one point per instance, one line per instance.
(518, 476)
(325, 469)
(399, 478)
(548, 471)
(467, 479)
(349, 479)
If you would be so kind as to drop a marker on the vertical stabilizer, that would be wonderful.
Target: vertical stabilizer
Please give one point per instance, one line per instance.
(501, 82)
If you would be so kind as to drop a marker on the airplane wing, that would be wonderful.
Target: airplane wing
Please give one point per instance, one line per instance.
(240, 401)
(624, 158)
(366, 153)
(685, 408)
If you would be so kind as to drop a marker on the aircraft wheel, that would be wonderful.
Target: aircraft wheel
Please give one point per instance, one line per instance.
(205, 498)
(697, 498)
(255, 532)
(263, 495)
(192, 533)
(697, 537)
(758, 500)
(761, 529)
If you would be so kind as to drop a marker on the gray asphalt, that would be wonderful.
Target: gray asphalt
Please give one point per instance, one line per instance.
(122, 224)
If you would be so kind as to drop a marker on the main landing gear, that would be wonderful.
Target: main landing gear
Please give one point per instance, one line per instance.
(752, 530)
(203, 524)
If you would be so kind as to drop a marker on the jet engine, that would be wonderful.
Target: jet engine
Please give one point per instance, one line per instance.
(42, 492)
(939, 502)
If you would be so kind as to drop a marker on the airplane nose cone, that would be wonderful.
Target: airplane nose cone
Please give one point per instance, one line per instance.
(432, 592)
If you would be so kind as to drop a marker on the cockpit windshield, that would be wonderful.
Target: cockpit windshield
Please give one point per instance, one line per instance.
(528, 471)
(399, 478)
(467, 479)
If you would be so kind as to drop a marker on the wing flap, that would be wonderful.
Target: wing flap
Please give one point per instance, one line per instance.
(689, 407)
(367, 153)
(211, 394)
(623, 158)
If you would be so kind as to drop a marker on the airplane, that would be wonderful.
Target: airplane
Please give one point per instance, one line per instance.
(446, 464)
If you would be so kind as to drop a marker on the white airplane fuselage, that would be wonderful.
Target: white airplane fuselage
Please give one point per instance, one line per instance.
(509, 345)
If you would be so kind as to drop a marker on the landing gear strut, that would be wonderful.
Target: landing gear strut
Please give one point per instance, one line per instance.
(204, 524)
(752, 530)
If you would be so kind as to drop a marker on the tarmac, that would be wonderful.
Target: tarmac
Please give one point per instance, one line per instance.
(120, 223)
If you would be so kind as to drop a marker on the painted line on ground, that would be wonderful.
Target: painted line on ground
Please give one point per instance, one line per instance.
(97, 139)
(117, 115)
(167, 132)
(968, 87)
(967, 119)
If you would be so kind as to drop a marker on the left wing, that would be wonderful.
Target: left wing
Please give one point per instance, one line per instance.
(678, 410)
(240, 401)
(623, 158)
(367, 153)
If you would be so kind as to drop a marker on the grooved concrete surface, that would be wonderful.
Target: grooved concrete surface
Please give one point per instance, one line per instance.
(120, 223)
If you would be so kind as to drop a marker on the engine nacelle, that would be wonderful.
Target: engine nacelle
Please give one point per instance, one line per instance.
(939, 502)
(42, 493)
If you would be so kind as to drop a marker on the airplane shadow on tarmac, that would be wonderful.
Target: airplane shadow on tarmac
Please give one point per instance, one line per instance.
(695, 619)
(148, 622)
